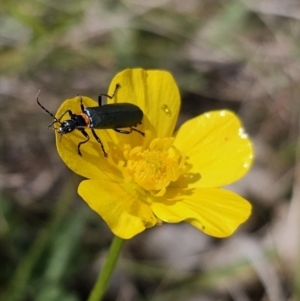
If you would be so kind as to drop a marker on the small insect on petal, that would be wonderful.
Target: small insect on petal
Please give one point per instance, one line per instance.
(114, 116)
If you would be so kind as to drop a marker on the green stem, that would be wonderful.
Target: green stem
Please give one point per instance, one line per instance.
(101, 283)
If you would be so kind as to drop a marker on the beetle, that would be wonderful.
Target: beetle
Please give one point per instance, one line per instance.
(116, 116)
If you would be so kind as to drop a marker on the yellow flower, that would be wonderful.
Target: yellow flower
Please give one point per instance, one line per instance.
(158, 178)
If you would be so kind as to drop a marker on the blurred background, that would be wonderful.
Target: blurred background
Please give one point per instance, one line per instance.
(240, 55)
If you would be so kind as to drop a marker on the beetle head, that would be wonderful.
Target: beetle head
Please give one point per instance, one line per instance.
(66, 127)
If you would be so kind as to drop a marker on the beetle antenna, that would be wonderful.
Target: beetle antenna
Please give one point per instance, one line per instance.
(37, 100)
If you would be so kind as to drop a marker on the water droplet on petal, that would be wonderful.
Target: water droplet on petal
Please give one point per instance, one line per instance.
(207, 115)
(166, 109)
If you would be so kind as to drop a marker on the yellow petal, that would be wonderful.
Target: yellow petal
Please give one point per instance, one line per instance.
(217, 147)
(120, 206)
(216, 212)
(156, 93)
(92, 163)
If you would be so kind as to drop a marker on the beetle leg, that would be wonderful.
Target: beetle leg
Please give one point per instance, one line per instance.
(129, 132)
(106, 95)
(136, 130)
(85, 134)
(81, 103)
(68, 111)
(123, 131)
(100, 142)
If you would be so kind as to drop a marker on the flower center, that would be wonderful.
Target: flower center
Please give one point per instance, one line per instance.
(155, 167)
